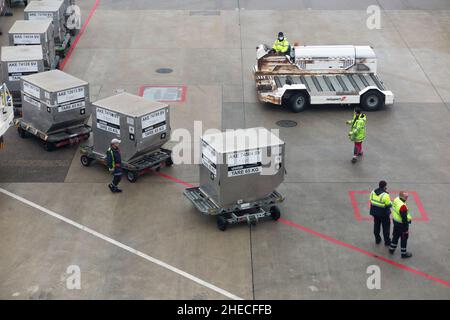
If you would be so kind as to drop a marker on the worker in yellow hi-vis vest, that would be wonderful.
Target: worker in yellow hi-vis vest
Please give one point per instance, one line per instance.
(380, 204)
(281, 45)
(402, 220)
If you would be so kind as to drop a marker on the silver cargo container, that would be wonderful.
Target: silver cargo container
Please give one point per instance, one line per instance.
(241, 166)
(142, 125)
(54, 100)
(19, 61)
(34, 32)
(48, 9)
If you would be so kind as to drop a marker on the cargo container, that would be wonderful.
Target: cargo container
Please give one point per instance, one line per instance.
(55, 108)
(35, 32)
(239, 173)
(143, 127)
(18, 61)
(48, 9)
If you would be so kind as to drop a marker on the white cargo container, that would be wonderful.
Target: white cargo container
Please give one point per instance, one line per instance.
(18, 61)
(142, 125)
(239, 173)
(35, 32)
(48, 9)
(54, 100)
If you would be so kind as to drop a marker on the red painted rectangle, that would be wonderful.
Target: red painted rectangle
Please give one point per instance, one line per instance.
(182, 96)
(360, 217)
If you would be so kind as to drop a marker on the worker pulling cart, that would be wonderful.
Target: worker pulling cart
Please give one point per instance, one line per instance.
(239, 173)
(142, 126)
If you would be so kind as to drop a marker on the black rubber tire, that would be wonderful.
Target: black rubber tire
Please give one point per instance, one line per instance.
(298, 102)
(222, 223)
(169, 162)
(274, 213)
(22, 133)
(132, 176)
(85, 160)
(372, 100)
(49, 146)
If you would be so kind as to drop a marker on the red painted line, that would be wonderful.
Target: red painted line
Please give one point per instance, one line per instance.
(356, 212)
(80, 33)
(176, 180)
(367, 253)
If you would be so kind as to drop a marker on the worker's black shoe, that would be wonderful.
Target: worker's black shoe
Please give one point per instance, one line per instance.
(378, 241)
(354, 160)
(391, 251)
(118, 190)
(387, 243)
(406, 255)
(360, 154)
(111, 187)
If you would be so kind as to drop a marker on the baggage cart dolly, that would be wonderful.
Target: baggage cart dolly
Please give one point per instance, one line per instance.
(56, 139)
(249, 212)
(152, 161)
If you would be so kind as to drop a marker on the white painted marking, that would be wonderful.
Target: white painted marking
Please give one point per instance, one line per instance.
(122, 246)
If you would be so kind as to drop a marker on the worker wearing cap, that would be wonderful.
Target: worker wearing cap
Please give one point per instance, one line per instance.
(380, 204)
(281, 45)
(357, 133)
(402, 220)
(114, 162)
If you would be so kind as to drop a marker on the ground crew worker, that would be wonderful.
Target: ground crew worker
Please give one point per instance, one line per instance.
(357, 133)
(281, 45)
(402, 220)
(380, 204)
(114, 162)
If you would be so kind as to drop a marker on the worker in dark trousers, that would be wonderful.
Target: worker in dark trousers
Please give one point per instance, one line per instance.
(114, 162)
(357, 133)
(402, 220)
(380, 204)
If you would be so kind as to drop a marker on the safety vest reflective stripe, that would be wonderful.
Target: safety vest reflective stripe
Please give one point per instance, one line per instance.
(396, 205)
(113, 161)
(377, 200)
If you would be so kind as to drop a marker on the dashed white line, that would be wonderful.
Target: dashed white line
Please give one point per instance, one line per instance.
(122, 246)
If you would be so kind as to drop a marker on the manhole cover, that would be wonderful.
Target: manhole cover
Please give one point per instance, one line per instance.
(164, 70)
(286, 123)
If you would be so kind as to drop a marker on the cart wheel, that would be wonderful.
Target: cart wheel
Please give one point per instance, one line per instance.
(49, 146)
(253, 222)
(169, 162)
(132, 176)
(274, 213)
(22, 133)
(85, 160)
(222, 223)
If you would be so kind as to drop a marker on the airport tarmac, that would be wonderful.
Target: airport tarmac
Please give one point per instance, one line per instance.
(150, 243)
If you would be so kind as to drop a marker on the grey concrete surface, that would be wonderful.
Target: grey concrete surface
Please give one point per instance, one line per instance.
(210, 45)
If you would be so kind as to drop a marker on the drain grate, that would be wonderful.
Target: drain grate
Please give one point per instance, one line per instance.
(286, 123)
(164, 70)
